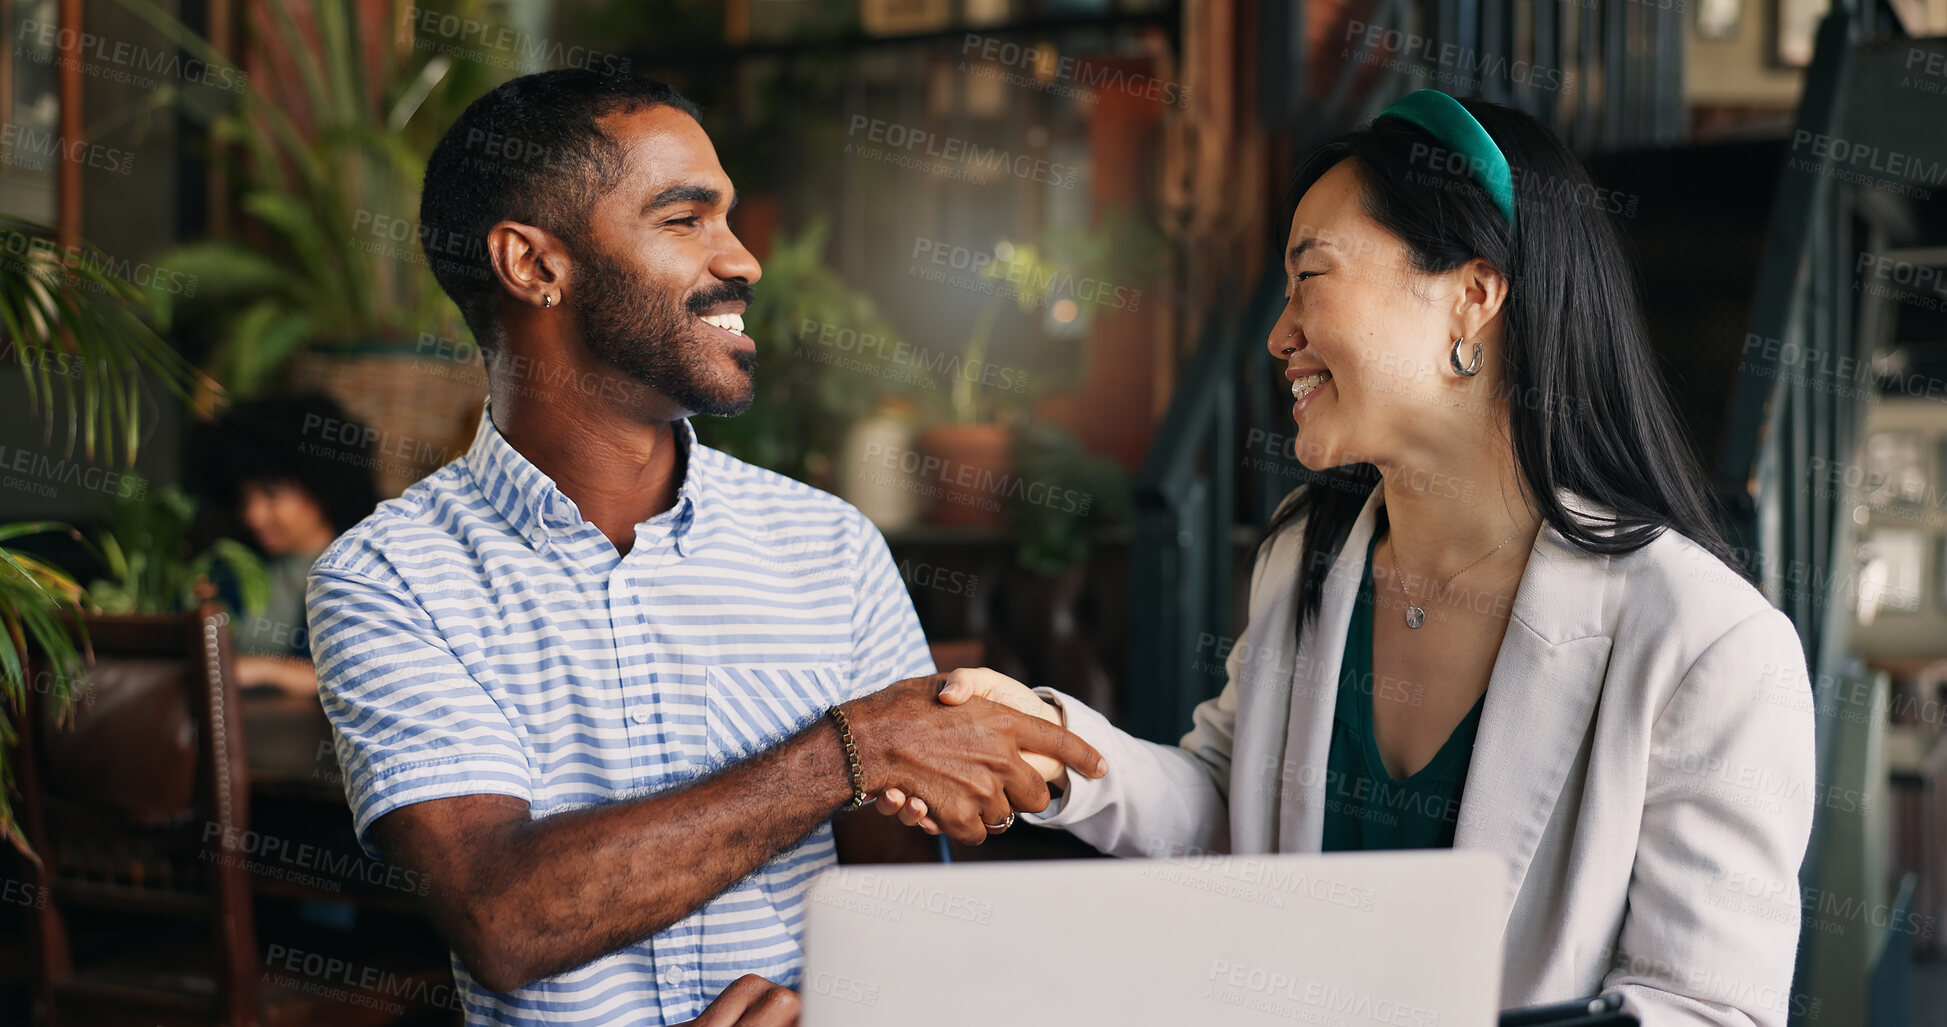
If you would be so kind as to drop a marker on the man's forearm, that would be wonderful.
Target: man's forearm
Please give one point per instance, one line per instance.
(578, 885)
(522, 898)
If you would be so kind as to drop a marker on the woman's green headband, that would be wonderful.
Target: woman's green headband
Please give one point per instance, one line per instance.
(1450, 123)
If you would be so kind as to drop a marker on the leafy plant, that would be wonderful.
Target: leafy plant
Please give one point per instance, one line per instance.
(1031, 280)
(67, 317)
(1092, 496)
(338, 197)
(1047, 274)
(66, 313)
(148, 572)
(33, 597)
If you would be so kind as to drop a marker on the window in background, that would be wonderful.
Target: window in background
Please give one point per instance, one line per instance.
(30, 109)
(1892, 572)
(1896, 469)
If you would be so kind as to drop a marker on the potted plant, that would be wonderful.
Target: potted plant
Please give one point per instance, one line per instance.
(148, 570)
(1062, 278)
(329, 289)
(1082, 496)
(974, 446)
(64, 315)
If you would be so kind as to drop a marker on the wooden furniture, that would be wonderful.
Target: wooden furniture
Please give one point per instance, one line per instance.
(1916, 756)
(128, 807)
(156, 876)
(1917, 772)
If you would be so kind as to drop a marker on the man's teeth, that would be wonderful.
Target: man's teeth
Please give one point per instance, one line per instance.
(727, 322)
(1302, 387)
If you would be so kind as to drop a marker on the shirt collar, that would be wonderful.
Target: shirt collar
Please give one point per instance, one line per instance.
(537, 509)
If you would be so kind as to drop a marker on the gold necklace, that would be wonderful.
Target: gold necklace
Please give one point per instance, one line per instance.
(1416, 615)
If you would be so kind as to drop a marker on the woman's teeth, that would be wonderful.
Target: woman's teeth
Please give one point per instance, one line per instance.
(1302, 387)
(727, 322)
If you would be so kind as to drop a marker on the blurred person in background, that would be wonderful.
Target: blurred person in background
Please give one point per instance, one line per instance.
(294, 490)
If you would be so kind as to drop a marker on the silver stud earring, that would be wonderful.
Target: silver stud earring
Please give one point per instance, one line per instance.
(546, 301)
(1472, 368)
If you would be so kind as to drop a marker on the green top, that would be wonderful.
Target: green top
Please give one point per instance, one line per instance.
(278, 629)
(1365, 808)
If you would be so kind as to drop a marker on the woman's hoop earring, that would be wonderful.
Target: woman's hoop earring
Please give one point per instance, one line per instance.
(1471, 369)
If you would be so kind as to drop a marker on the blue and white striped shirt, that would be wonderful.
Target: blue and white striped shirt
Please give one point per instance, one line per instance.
(476, 635)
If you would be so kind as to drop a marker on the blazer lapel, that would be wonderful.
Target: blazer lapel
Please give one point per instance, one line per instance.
(1314, 693)
(1541, 697)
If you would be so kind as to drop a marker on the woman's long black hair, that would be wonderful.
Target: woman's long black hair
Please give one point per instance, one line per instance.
(1587, 407)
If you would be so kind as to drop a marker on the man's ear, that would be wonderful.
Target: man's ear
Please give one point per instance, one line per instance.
(530, 263)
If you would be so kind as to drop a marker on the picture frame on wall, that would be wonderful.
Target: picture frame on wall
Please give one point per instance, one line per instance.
(1940, 574)
(1719, 19)
(1795, 25)
(1896, 472)
(1894, 577)
(1935, 496)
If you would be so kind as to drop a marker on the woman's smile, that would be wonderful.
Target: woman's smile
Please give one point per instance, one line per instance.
(1305, 387)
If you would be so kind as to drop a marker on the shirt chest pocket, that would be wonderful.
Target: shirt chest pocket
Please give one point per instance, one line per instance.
(752, 707)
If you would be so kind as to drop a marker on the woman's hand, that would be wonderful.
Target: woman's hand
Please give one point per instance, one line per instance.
(751, 1001)
(980, 683)
(294, 676)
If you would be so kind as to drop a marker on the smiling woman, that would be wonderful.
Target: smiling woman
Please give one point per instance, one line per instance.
(1396, 222)
(1559, 637)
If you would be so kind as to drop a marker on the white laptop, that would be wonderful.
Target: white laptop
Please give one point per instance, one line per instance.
(1399, 939)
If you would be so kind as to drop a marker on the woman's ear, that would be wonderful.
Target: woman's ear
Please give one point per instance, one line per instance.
(1483, 293)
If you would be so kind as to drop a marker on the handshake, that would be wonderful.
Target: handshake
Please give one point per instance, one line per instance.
(959, 754)
(954, 754)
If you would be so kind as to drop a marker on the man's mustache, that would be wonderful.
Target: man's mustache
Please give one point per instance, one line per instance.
(728, 292)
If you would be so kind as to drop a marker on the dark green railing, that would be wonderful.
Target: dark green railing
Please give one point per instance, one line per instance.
(1797, 413)
(1180, 575)
(1799, 403)
(1784, 415)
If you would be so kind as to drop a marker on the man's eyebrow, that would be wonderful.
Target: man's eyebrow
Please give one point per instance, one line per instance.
(687, 193)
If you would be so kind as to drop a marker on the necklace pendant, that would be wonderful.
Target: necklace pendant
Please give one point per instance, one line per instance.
(1415, 616)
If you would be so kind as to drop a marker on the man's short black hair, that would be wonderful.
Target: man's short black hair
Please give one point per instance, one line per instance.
(529, 151)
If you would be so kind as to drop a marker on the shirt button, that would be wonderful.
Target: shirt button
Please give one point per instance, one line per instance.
(640, 715)
(674, 976)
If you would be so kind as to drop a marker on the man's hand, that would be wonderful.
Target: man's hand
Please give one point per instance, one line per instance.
(968, 760)
(980, 683)
(751, 1001)
(521, 897)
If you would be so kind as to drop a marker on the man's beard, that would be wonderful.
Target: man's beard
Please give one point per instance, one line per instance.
(651, 337)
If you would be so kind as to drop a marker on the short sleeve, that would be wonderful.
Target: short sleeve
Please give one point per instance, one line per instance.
(411, 723)
(887, 643)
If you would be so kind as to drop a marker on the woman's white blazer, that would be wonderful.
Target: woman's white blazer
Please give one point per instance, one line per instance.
(1644, 764)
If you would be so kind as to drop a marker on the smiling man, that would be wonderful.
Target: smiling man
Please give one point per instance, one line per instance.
(582, 678)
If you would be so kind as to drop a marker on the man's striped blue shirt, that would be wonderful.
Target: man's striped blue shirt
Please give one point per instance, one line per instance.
(477, 636)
